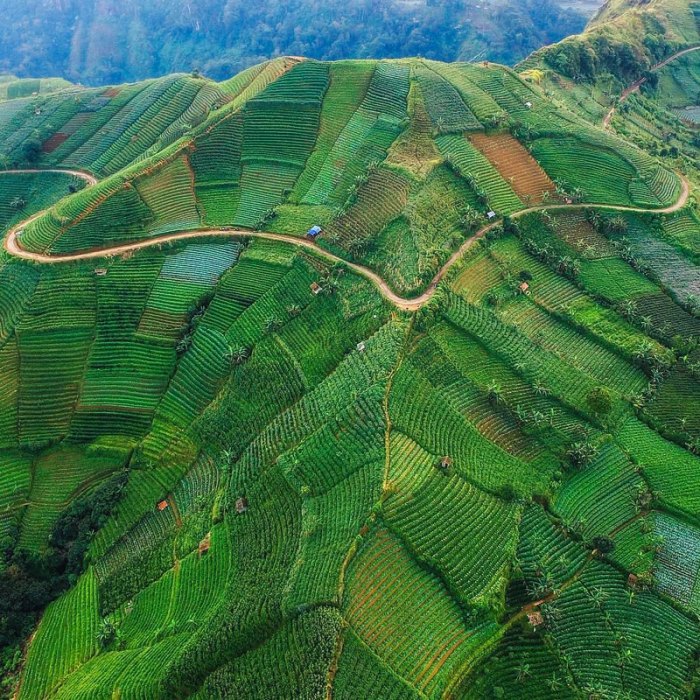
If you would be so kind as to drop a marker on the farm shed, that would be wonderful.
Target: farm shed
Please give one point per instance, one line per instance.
(162, 505)
(314, 232)
(204, 545)
(535, 619)
(315, 288)
(241, 505)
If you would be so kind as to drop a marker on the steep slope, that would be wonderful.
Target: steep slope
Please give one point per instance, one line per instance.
(335, 145)
(624, 39)
(289, 483)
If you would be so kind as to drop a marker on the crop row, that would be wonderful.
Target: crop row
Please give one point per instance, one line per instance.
(169, 195)
(240, 288)
(474, 166)
(573, 347)
(51, 367)
(466, 534)
(677, 403)
(478, 101)
(677, 487)
(419, 411)
(357, 373)
(66, 638)
(514, 387)
(602, 496)
(330, 523)
(379, 200)
(450, 370)
(677, 564)
(666, 316)
(147, 130)
(560, 378)
(405, 615)
(516, 166)
(365, 138)
(114, 120)
(349, 81)
(444, 104)
(642, 648)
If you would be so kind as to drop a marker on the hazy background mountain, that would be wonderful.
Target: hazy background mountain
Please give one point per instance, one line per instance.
(108, 41)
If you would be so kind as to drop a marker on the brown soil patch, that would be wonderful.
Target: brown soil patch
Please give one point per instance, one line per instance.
(53, 142)
(516, 165)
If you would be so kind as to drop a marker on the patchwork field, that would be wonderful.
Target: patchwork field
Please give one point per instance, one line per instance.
(448, 448)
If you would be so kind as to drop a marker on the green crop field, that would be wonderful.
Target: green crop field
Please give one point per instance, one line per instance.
(447, 448)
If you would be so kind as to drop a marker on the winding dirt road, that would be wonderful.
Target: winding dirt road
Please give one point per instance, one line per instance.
(12, 244)
(636, 85)
(82, 174)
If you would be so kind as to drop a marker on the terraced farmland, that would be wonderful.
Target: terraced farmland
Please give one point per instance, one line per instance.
(445, 449)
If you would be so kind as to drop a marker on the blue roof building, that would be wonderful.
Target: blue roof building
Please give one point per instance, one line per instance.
(314, 231)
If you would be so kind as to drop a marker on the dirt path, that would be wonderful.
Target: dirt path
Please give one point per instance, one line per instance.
(82, 174)
(12, 244)
(636, 85)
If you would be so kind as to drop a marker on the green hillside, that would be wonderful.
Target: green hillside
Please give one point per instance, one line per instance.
(447, 450)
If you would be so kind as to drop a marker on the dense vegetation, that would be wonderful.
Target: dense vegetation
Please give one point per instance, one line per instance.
(114, 41)
(231, 466)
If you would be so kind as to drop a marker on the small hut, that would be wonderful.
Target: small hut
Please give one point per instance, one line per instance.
(445, 462)
(535, 619)
(241, 505)
(524, 287)
(361, 347)
(491, 215)
(204, 545)
(314, 232)
(162, 505)
(633, 581)
(100, 271)
(315, 288)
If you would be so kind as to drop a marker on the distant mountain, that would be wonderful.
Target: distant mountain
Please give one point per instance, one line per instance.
(111, 41)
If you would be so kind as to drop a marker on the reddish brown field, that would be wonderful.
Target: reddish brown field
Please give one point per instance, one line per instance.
(516, 165)
(53, 142)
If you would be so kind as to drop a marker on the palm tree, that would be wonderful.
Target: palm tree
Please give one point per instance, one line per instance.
(599, 596)
(494, 393)
(238, 356)
(271, 324)
(106, 632)
(628, 308)
(523, 672)
(541, 389)
(184, 344)
(554, 683)
(618, 224)
(624, 657)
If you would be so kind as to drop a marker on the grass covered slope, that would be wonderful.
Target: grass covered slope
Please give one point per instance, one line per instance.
(230, 467)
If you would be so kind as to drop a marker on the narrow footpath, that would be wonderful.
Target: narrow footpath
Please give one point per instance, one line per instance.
(636, 85)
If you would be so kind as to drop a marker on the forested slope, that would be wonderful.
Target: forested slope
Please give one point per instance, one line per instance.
(99, 42)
